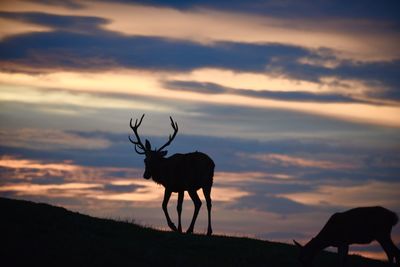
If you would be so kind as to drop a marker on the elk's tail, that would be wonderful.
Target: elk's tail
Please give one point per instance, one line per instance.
(211, 174)
(394, 218)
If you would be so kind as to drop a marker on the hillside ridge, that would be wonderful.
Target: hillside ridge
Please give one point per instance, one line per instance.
(41, 234)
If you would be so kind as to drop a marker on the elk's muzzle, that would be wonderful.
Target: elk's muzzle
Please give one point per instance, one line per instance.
(146, 175)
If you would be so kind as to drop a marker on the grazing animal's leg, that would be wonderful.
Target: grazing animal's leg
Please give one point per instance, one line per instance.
(197, 204)
(390, 249)
(207, 195)
(167, 195)
(179, 209)
(343, 251)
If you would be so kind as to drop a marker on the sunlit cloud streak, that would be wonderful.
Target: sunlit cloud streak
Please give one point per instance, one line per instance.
(11, 27)
(73, 98)
(371, 193)
(92, 82)
(286, 160)
(43, 168)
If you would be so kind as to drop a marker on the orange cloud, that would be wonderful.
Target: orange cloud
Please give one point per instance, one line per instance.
(29, 170)
(51, 190)
(14, 163)
(10, 27)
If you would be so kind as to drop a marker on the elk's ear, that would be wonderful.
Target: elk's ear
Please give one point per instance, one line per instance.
(164, 153)
(297, 243)
(148, 145)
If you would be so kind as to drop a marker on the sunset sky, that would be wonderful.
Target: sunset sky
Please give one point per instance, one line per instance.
(297, 102)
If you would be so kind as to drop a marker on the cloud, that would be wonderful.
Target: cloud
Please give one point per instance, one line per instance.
(379, 75)
(290, 8)
(61, 101)
(46, 139)
(27, 169)
(98, 50)
(370, 193)
(11, 27)
(72, 4)
(132, 83)
(271, 203)
(301, 158)
(88, 25)
(27, 177)
(95, 49)
(347, 36)
(52, 50)
(10, 162)
(250, 28)
(212, 88)
(116, 187)
(286, 160)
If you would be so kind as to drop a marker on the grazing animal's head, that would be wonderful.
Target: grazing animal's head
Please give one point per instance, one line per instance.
(305, 255)
(153, 157)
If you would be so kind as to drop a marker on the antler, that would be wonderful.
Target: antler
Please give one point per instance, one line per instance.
(175, 127)
(138, 143)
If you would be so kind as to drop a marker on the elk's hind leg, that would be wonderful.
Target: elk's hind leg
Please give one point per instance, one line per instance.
(197, 204)
(207, 195)
(179, 209)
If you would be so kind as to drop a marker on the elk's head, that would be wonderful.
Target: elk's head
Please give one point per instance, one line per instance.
(305, 255)
(153, 157)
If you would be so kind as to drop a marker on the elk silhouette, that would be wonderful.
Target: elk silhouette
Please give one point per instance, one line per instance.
(178, 173)
(356, 226)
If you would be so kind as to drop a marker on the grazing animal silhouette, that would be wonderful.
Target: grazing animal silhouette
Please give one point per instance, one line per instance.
(356, 226)
(178, 173)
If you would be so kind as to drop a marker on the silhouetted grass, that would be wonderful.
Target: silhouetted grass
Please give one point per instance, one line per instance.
(39, 234)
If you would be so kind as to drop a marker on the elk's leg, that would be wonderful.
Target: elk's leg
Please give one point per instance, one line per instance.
(197, 204)
(343, 251)
(207, 195)
(390, 249)
(179, 209)
(167, 195)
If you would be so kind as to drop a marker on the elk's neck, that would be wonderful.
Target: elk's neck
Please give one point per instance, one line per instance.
(159, 173)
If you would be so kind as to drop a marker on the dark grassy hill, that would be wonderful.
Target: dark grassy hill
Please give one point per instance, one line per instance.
(39, 234)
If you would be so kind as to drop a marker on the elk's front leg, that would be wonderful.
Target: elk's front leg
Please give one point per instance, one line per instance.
(167, 195)
(343, 250)
(179, 209)
(390, 249)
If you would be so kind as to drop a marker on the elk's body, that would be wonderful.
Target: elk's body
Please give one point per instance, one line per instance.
(184, 172)
(178, 173)
(355, 226)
